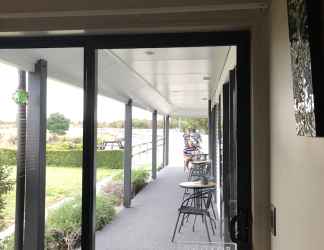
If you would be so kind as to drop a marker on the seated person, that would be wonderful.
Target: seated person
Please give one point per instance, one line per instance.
(188, 153)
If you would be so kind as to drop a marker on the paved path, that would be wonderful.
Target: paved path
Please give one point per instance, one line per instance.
(149, 223)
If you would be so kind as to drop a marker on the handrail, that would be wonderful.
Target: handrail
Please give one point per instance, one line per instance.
(147, 149)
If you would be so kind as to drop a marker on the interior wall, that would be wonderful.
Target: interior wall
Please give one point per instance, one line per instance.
(297, 168)
(253, 20)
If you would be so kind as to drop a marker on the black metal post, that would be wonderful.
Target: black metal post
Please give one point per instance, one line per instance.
(36, 158)
(167, 139)
(154, 144)
(213, 140)
(209, 129)
(20, 177)
(89, 149)
(163, 153)
(128, 155)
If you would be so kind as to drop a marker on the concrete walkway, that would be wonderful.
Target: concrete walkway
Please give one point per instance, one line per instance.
(149, 223)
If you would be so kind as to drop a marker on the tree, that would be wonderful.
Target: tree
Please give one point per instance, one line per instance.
(190, 123)
(58, 124)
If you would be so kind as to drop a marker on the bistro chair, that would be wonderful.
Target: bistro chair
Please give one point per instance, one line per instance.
(197, 204)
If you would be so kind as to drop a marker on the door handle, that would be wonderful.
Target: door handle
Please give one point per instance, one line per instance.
(233, 226)
(240, 232)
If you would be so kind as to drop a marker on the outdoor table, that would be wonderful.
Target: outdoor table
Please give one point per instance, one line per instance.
(200, 156)
(197, 186)
(200, 162)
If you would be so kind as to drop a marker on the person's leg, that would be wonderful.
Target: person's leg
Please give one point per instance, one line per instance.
(186, 163)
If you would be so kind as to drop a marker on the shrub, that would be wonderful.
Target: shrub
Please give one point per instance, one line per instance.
(8, 157)
(5, 186)
(73, 158)
(139, 179)
(7, 243)
(114, 189)
(63, 223)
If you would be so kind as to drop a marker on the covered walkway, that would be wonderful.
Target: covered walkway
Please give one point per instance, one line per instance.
(149, 223)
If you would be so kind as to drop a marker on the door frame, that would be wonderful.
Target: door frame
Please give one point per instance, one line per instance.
(90, 43)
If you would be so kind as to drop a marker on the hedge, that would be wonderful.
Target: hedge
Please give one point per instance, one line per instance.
(112, 159)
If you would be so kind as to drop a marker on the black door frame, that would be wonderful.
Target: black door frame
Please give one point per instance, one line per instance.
(90, 43)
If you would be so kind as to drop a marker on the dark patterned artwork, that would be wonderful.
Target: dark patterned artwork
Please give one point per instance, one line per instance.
(304, 81)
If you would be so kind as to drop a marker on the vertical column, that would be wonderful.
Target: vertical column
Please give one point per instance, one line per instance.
(128, 155)
(163, 153)
(89, 149)
(154, 143)
(20, 179)
(209, 129)
(167, 141)
(35, 158)
(213, 141)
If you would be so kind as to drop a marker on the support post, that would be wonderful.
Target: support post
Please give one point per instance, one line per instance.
(154, 144)
(89, 149)
(128, 155)
(20, 177)
(163, 153)
(209, 130)
(213, 140)
(167, 141)
(36, 158)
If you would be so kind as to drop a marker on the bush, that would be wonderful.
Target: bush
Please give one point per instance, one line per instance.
(6, 184)
(8, 157)
(73, 158)
(7, 243)
(139, 179)
(63, 223)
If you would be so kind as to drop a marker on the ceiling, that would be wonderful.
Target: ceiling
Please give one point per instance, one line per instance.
(176, 81)
(185, 77)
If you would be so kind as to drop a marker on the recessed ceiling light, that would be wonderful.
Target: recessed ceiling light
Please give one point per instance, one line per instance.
(149, 52)
(206, 78)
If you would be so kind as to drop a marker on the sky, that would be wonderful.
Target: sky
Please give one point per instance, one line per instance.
(61, 98)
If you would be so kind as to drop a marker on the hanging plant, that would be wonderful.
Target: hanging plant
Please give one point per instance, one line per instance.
(20, 97)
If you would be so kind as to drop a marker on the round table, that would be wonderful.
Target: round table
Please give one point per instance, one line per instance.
(197, 184)
(199, 162)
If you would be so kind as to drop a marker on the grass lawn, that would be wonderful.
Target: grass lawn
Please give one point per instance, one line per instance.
(61, 182)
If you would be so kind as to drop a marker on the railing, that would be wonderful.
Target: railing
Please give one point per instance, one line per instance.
(144, 147)
(141, 156)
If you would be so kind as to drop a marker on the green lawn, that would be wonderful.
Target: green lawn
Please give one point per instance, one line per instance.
(61, 182)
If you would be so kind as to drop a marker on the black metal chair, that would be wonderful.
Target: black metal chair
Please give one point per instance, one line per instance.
(197, 204)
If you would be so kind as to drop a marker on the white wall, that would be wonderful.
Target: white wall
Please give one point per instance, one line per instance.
(297, 163)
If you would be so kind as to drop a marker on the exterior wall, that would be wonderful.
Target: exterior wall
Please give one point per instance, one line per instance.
(297, 168)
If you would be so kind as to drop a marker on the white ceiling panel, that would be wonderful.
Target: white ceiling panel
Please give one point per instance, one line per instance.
(184, 76)
(171, 80)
